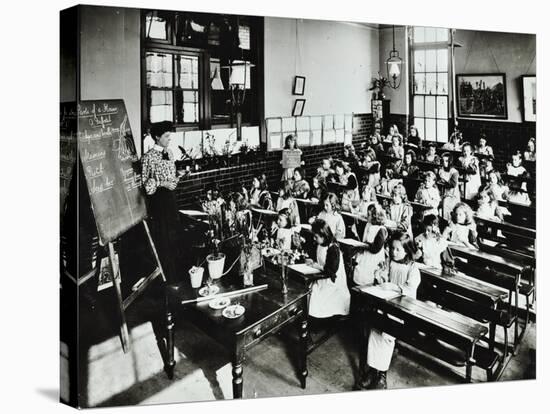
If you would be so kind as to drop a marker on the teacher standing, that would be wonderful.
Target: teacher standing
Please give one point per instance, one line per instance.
(160, 180)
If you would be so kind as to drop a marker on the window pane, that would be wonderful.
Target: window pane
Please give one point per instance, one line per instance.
(430, 130)
(442, 83)
(442, 60)
(442, 34)
(419, 83)
(220, 107)
(418, 34)
(420, 61)
(187, 107)
(156, 27)
(159, 70)
(431, 59)
(442, 108)
(418, 106)
(442, 130)
(188, 72)
(430, 83)
(160, 105)
(430, 107)
(430, 34)
(419, 124)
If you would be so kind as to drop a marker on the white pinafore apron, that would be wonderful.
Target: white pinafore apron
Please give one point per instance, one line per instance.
(329, 298)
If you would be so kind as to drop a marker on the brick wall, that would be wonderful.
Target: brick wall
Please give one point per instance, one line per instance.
(233, 178)
(504, 137)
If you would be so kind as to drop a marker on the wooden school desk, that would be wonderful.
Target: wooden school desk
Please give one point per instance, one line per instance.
(266, 312)
(424, 327)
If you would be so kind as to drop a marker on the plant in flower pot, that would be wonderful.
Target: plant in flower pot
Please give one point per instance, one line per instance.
(378, 84)
(215, 260)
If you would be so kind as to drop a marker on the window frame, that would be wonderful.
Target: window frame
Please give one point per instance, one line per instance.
(205, 122)
(437, 45)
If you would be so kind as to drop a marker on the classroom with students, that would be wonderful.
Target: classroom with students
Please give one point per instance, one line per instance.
(267, 206)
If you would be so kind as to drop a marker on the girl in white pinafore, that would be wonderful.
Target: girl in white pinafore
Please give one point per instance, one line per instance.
(402, 275)
(375, 234)
(471, 164)
(330, 296)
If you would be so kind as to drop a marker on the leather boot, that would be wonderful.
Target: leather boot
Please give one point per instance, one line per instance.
(368, 376)
(380, 383)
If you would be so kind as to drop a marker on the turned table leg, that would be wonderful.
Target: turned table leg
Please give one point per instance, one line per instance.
(237, 372)
(170, 363)
(303, 353)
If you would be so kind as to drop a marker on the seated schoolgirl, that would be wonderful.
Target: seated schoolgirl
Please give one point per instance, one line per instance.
(530, 152)
(259, 194)
(488, 207)
(455, 142)
(348, 179)
(470, 163)
(394, 132)
(401, 275)
(349, 156)
(462, 227)
(300, 187)
(368, 194)
(432, 247)
(399, 211)
(214, 202)
(286, 200)
(325, 169)
(431, 154)
(330, 296)
(238, 216)
(516, 168)
(496, 186)
(414, 139)
(428, 194)
(376, 143)
(283, 232)
(331, 216)
(375, 234)
(319, 188)
(396, 150)
(483, 148)
(408, 168)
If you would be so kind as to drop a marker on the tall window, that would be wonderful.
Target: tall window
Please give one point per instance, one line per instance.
(430, 91)
(187, 67)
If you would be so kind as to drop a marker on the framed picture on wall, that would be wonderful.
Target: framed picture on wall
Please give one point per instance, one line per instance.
(529, 91)
(481, 95)
(299, 85)
(298, 109)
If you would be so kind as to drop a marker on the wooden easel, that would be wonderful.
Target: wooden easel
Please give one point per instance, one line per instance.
(123, 304)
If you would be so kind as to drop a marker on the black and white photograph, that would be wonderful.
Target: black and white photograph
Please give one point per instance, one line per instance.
(226, 233)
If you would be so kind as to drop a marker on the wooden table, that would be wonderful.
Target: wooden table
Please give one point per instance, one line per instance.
(267, 311)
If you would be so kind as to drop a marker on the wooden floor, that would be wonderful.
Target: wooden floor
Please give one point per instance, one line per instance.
(109, 377)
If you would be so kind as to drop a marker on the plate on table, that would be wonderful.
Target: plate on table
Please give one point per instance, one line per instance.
(208, 290)
(233, 311)
(219, 303)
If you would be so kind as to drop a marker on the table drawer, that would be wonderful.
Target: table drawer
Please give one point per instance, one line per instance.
(273, 323)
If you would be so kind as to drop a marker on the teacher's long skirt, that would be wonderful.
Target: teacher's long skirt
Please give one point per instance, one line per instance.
(163, 214)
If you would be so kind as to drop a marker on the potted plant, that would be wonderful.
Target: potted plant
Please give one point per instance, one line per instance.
(216, 259)
(378, 85)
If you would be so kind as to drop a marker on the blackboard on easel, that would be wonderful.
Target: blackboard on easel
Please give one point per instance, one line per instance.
(111, 167)
(112, 172)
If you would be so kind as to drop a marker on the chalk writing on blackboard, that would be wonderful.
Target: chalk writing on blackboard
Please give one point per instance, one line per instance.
(111, 167)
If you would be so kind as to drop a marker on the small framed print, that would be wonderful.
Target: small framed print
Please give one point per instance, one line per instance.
(298, 109)
(299, 85)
